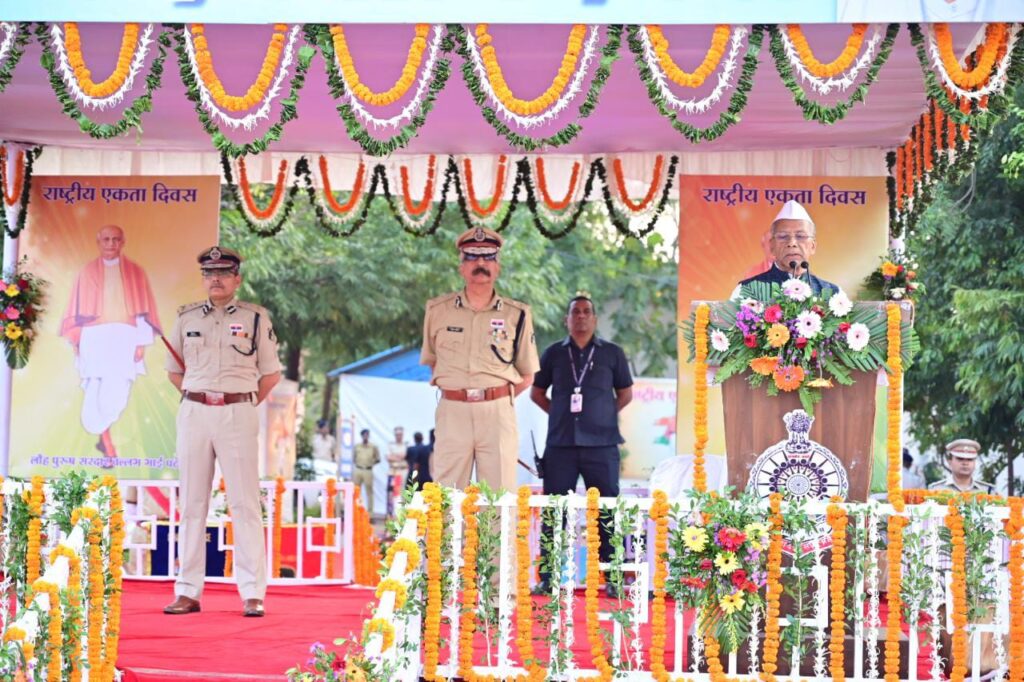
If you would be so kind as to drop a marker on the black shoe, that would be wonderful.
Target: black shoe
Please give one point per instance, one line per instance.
(541, 589)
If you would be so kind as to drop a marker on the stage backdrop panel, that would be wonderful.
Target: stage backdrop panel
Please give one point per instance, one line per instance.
(724, 222)
(167, 221)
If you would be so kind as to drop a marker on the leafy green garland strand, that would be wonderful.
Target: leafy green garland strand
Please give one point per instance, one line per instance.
(529, 143)
(320, 35)
(814, 111)
(303, 58)
(131, 117)
(890, 189)
(26, 192)
(301, 169)
(526, 171)
(737, 102)
(622, 224)
(22, 36)
(997, 104)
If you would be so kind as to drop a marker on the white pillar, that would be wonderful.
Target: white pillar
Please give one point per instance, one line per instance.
(10, 260)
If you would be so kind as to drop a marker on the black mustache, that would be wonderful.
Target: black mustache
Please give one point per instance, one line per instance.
(481, 271)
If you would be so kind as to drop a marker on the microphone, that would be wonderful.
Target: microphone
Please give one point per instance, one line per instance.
(792, 269)
(807, 269)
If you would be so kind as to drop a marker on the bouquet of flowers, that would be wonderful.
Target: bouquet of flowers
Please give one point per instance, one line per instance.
(718, 562)
(790, 339)
(895, 279)
(21, 299)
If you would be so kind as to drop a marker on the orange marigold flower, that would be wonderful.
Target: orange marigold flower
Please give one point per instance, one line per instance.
(889, 269)
(789, 377)
(778, 335)
(764, 365)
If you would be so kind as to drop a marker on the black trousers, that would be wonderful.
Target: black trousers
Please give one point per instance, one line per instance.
(599, 467)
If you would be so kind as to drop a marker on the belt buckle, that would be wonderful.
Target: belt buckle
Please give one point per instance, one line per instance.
(475, 395)
(214, 398)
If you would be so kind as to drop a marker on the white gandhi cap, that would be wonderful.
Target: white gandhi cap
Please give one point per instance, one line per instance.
(793, 210)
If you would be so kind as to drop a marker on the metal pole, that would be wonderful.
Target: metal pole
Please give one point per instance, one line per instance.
(10, 260)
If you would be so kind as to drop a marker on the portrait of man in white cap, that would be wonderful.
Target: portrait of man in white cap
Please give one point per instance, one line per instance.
(792, 245)
(961, 462)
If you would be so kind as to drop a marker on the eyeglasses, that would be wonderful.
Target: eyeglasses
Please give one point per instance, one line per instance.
(785, 238)
(470, 257)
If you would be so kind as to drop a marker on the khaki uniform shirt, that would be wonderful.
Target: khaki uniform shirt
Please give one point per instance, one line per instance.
(948, 483)
(222, 349)
(463, 345)
(366, 456)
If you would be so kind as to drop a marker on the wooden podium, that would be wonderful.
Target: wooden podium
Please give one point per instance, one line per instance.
(844, 422)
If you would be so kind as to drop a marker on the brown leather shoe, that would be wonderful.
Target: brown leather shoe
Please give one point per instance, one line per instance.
(182, 605)
(253, 608)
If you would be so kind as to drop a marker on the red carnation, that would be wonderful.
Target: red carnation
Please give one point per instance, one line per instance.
(706, 565)
(801, 342)
(750, 340)
(844, 327)
(22, 283)
(899, 268)
(738, 577)
(731, 539)
(750, 586)
(773, 313)
(818, 310)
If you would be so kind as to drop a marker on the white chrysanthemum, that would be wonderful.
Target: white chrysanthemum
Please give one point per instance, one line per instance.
(897, 292)
(858, 336)
(808, 324)
(753, 304)
(719, 341)
(796, 290)
(840, 304)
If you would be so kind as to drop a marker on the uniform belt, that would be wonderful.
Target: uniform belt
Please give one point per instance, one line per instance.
(364, 468)
(213, 398)
(476, 395)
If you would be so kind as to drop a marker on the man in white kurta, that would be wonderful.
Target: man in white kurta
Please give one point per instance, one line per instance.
(110, 319)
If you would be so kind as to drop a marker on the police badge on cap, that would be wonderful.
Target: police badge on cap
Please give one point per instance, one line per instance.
(219, 258)
(479, 240)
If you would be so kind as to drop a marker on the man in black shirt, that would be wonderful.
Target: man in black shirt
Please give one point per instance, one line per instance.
(590, 383)
(417, 456)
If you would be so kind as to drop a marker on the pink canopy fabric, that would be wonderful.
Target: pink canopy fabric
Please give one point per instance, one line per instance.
(624, 120)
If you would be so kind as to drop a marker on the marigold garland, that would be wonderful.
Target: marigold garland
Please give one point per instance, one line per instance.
(958, 587)
(836, 516)
(331, 490)
(467, 616)
(385, 629)
(412, 553)
(96, 590)
(553, 92)
(279, 490)
(773, 592)
(73, 47)
(838, 65)
(620, 183)
(499, 187)
(1014, 529)
(74, 603)
(359, 89)
(700, 399)
(396, 586)
(420, 207)
(55, 637)
(33, 553)
(13, 197)
(542, 185)
(275, 201)
(894, 555)
(354, 195)
(258, 90)
(894, 403)
(593, 535)
(659, 515)
(713, 57)
(115, 572)
(432, 616)
(996, 35)
(524, 602)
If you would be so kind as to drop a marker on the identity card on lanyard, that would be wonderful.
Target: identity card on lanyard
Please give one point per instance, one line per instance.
(576, 399)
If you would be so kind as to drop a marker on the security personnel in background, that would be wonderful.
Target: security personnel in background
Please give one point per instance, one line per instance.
(224, 361)
(366, 456)
(482, 353)
(961, 462)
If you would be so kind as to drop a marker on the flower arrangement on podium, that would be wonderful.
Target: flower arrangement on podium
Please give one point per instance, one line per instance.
(895, 279)
(21, 299)
(787, 338)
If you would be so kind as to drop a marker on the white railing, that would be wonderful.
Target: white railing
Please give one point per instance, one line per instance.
(403, 661)
(140, 565)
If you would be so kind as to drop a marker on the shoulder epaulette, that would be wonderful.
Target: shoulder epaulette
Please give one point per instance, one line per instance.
(190, 306)
(246, 305)
(442, 299)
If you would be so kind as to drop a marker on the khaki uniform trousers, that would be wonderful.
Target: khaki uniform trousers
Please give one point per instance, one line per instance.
(482, 433)
(229, 434)
(364, 477)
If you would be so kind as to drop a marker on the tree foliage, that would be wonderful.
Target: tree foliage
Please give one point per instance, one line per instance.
(969, 379)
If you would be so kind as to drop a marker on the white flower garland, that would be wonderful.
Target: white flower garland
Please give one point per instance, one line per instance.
(569, 589)
(638, 590)
(1000, 586)
(498, 214)
(571, 90)
(693, 106)
(824, 86)
(873, 620)
(937, 593)
(418, 222)
(506, 557)
(620, 205)
(754, 664)
(7, 583)
(413, 106)
(67, 73)
(560, 217)
(10, 31)
(262, 223)
(996, 82)
(341, 220)
(820, 622)
(249, 121)
(454, 570)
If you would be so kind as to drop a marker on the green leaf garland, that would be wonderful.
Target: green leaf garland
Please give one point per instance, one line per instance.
(319, 35)
(21, 37)
(131, 116)
(815, 111)
(26, 192)
(303, 58)
(622, 224)
(301, 169)
(737, 102)
(609, 55)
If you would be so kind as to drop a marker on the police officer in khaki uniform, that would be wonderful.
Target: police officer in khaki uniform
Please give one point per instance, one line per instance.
(366, 456)
(224, 362)
(481, 349)
(961, 461)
